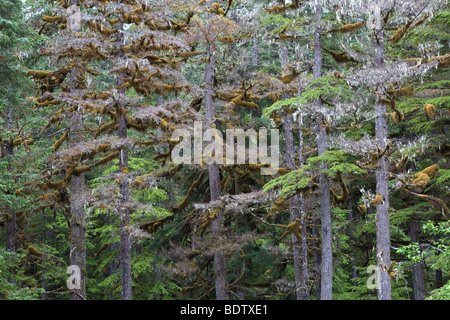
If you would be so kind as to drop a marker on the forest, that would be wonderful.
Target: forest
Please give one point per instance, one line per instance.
(224, 150)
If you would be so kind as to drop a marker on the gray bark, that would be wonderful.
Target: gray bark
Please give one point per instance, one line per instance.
(318, 41)
(293, 209)
(78, 218)
(220, 262)
(324, 182)
(124, 213)
(11, 221)
(301, 199)
(382, 210)
(255, 51)
(352, 226)
(325, 206)
(316, 254)
(417, 269)
(301, 287)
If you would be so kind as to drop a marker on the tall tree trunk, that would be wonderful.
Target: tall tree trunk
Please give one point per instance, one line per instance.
(417, 269)
(302, 199)
(220, 262)
(293, 208)
(438, 279)
(325, 206)
(324, 182)
(317, 257)
(11, 221)
(350, 230)
(293, 201)
(124, 213)
(382, 210)
(255, 49)
(78, 219)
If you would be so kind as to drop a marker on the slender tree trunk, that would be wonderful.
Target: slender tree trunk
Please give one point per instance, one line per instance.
(352, 226)
(302, 199)
(293, 208)
(324, 186)
(78, 219)
(317, 256)
(125, 241)
(324, 182)
(417, 269)
(220, 262)
(11, 221)
(300, 285)
(438, 279)
(255, 49)
(382, 210)
(318, 41)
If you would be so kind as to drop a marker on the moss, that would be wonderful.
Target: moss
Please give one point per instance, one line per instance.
(57, 144)
(429, 111)
(108, 158)
(348, 27)
(377, 200)
(183, 204)
(82, 169)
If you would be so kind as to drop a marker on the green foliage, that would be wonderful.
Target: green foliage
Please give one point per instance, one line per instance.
(279, 105)
(435, 253)
(302, 178)
(337, 161)
(443, 293)
(443, 177)
(289, 183)
(327, 88)
(266, 259)
(14, 284)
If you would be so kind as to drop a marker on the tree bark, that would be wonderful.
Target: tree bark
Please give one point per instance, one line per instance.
(325, 206)
(324, 183)
(255, 49)
(220, 262)
(382, 210)
(417, 269)
(11, 221)
(318, 41)
(293, 209)
(317, 256)
(78, 218)
(352, 255)
(300, 285)
(124, 213)
(302, 199)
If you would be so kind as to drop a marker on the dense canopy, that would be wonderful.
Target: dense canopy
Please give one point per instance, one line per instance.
(229, 150)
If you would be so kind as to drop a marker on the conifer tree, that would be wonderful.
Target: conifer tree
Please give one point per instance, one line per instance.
(136, 67)
(92, 176)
